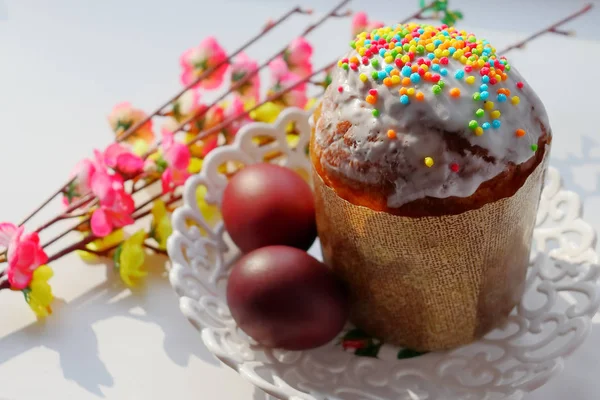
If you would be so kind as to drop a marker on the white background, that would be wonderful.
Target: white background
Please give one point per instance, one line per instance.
(65, 63)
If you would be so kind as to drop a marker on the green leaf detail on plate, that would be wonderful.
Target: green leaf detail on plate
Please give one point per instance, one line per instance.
(407, 353)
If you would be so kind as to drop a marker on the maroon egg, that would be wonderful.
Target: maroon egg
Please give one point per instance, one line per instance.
(266, 205)
(284, 298)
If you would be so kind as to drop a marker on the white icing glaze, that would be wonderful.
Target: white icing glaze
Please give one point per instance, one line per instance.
(420, 126)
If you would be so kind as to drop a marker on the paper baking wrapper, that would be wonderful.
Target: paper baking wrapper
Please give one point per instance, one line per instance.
(430, 283)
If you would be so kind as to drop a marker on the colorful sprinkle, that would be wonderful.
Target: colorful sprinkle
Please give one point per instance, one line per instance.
(428, 162)
(534, 147)
(409, 57)
(391, 134)
(454, 167)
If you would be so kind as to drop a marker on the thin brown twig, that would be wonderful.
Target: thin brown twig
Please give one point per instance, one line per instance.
(75, 246)
(155, 249)
(247, 78)
(418, 14)
(550, 29)
(72, 207)
(199, 137)
(209, 71)
(135, 127)
(45, 203)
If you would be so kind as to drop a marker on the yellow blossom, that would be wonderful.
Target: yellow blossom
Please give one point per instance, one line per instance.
(196, 149)
(268, 112)
(209, 212)
(130, 257)
(310, 104)
(39, 293)
(161, 224)
(195, 165)
(101, 244)
(293, 140)
(140, 147)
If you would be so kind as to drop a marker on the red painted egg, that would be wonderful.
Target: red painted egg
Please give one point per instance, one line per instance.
(265, 205)
(284, 298)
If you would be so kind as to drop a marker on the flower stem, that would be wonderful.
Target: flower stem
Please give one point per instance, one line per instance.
(155, 249)
(76, 246)
(550, 29)
(418, 14)
(246, 79)
(135, 127)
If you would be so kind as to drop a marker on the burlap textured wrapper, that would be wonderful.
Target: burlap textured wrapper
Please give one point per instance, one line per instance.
(430, 283)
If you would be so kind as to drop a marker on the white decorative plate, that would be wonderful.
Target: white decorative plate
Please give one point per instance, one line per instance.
(553, 319)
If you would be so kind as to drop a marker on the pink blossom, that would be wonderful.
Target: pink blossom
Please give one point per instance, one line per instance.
(188, 104)
(236, 110)
(298, 57)
(279, 69)
(197, 60)
(178, 157)
(284, 79)
(114, 212)
(124, 116)
(209, 145)
(102, 183)
(81, 176)
(361, 23)
(122, 160)
(24, 254)
(243, 66)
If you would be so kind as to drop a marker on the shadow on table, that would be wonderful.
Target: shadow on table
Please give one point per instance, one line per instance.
(77, 345)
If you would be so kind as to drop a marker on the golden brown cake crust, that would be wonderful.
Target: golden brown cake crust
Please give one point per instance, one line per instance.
(375, 197)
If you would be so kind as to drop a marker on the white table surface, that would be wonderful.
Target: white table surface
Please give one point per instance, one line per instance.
(64, 64)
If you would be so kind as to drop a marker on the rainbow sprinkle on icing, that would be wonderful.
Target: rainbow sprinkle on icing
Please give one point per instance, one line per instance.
(411, 57)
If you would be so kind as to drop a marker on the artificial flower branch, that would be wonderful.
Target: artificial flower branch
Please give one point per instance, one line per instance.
(195, 116)
(81, 244)
(132, 129)
(100, 194)
(553, 28)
